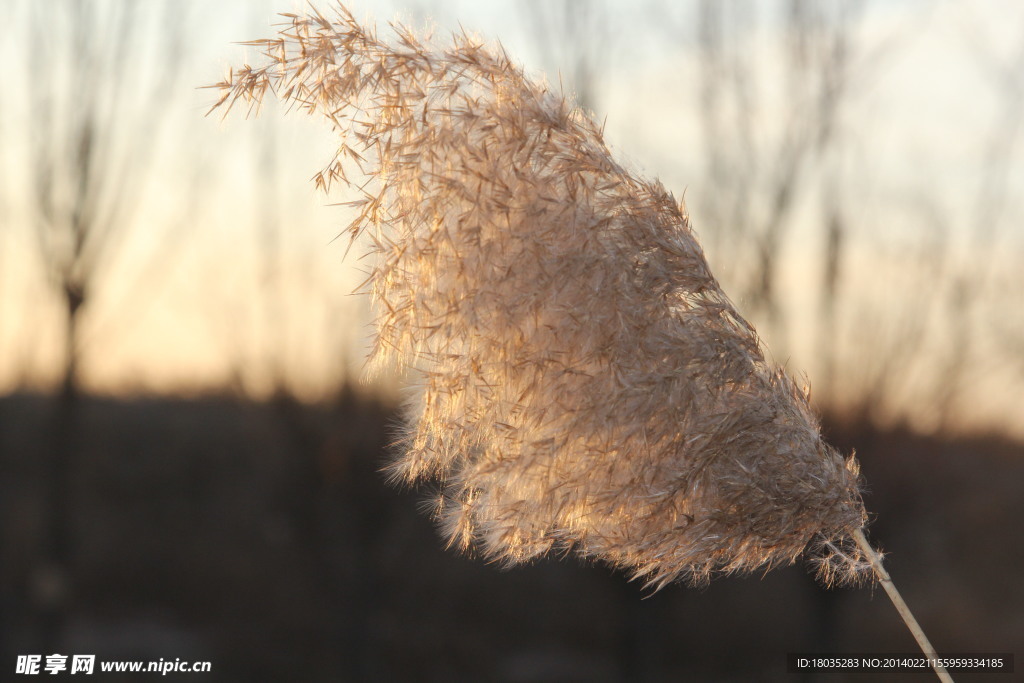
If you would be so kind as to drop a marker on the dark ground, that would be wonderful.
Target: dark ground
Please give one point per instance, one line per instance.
(261, 537)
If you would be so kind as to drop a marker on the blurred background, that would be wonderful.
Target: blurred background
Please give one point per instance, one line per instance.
(190, 450)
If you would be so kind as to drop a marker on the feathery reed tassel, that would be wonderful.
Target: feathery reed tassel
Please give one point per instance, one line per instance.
(586, 384)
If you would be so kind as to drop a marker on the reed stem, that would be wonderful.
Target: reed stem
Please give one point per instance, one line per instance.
(901, 606)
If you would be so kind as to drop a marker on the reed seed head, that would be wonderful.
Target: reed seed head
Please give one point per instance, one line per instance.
(585, 384)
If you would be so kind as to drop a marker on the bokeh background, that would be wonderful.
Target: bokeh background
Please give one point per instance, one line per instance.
(189, 448)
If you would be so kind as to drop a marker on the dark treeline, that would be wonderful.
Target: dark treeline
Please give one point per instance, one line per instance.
(263, 538)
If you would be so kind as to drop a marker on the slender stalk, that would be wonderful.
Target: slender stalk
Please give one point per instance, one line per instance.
(901, 606)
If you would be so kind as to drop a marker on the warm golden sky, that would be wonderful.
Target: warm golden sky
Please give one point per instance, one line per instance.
(228, 272)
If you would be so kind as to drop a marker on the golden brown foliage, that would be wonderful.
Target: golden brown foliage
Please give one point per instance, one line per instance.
(586, 384)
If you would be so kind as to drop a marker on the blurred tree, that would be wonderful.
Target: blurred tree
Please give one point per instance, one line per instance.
(973, 280)
(95, 118)
(96, 86)
(758, 163)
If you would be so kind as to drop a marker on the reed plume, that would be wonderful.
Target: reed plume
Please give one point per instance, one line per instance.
(586, 384)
